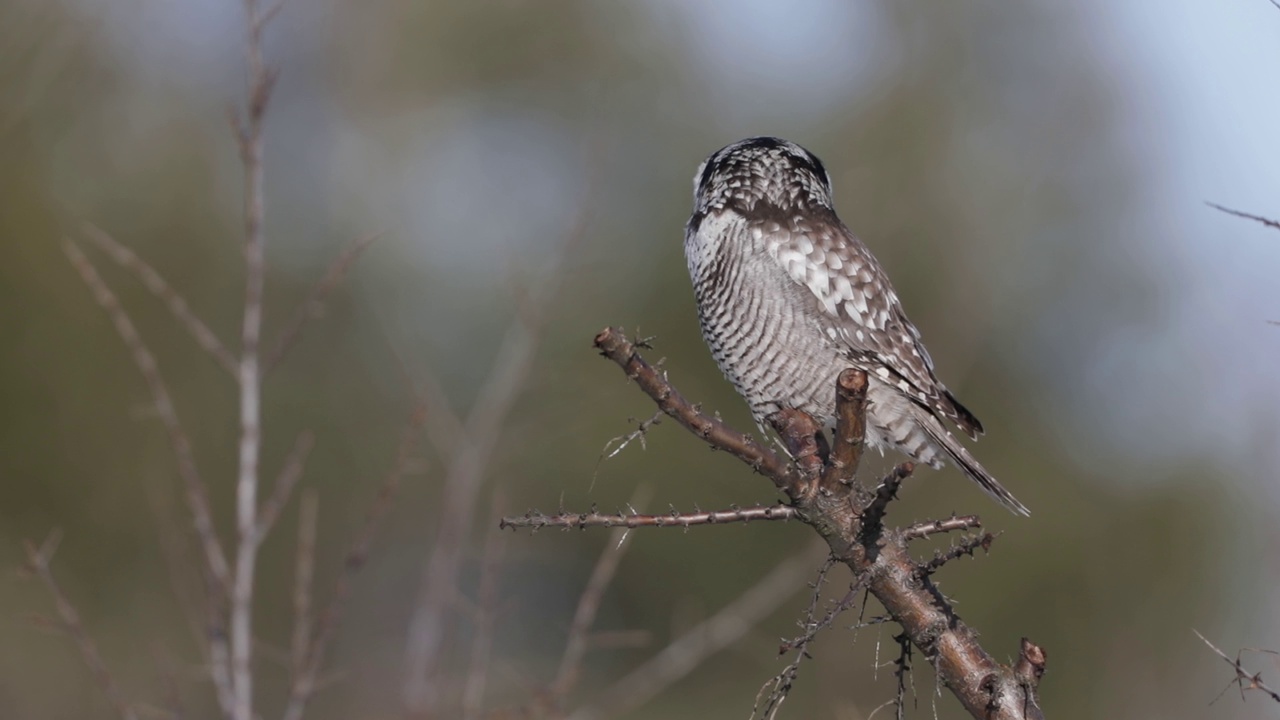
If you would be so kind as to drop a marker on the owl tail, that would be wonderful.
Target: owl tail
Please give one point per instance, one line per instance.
(962, 459)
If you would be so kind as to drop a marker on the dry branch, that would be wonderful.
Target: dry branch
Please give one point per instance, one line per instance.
(38, 559)
(303, 684)
(1244, 679)
(486, 621)
(197, 495)
(712, 635)
(467, 469)
(536, 520)
(178, 307)
(584, 617)
(259, 82)
(313, 305)
(850, 518)
(1274, 224)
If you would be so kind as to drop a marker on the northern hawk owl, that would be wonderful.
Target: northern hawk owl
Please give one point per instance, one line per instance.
(788, 298)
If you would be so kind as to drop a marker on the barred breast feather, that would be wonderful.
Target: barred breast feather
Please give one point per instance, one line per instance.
(788, 297)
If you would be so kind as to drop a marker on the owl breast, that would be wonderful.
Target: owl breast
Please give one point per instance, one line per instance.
(764, 332)
(754, 319)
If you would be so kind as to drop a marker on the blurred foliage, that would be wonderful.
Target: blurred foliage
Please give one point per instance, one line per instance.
(980, 159)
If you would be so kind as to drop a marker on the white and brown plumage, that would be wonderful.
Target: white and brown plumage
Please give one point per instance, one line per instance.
(788, 297)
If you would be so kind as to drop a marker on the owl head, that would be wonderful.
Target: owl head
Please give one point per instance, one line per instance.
(761, 174)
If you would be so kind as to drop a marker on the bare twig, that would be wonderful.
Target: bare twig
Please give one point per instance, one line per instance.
(872, 520)
(779, 686)
(1275, 224)
(289, 476)
(259, 82)
(38, 559)
(584, 617)
(536, 520)
(711, 636)
(486, 621)
(617, 444)
(313, 305)
(615, 346)
(967, 546)
(1244, 679)
(304, 684)
(196, 494)
(304, 572)
(467, 469)
(178, 307)
(814, 628)
(955, 522)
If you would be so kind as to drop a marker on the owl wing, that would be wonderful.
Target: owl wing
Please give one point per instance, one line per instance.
(859, 309)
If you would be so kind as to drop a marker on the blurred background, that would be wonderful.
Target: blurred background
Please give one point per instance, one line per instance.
(1033, 178)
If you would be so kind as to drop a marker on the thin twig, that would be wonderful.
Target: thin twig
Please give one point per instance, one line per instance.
(467, 469)
(873, 514)
(1275, 224)
(779, 686)
(313, 305)
(813, 628)
(709, 637)
(303, 686)
(486, 620)
(290, 474)
(178, 307)
(922, 530)
(304, 572)
(615, 346)
(165, 664)
(1244, 679)
(197, 496)
(902, 667)
(584, 617)
(967, 546)
(536, 520)
(259, 82)
(38, 558)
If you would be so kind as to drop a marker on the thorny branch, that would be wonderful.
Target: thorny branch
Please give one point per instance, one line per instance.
(779, 686)
(1244, 679)
(536, 520)
(850, 518)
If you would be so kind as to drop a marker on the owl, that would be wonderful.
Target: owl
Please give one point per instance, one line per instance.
(788, 298)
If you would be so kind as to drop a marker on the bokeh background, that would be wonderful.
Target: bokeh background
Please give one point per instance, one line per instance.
(1033, 176)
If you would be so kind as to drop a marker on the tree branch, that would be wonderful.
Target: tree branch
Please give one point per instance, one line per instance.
(259, 82)
(1244, 679)
(178, 307)
(712, 635)
(584, 617)
(313, 305)
(536, 520)
(850, 518)
(38, 559)
(1275, 224)
(618, 348)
